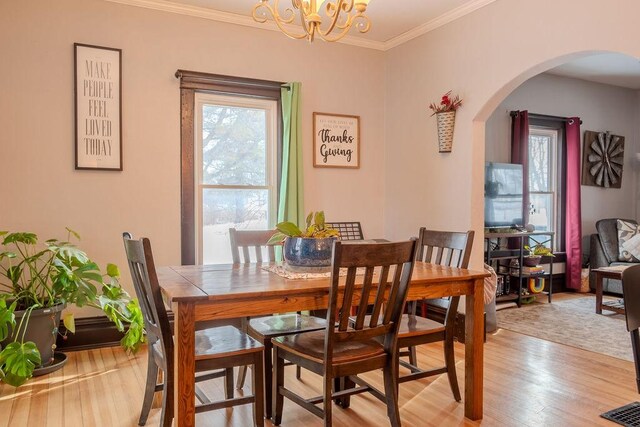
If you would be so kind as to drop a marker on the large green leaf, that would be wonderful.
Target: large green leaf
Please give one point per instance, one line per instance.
(135, 333)
(319, 220)
(289, 229)
(26, 238)
(75, 234)
(7, 254)
(113, 270)
(17, 362)
(69, 253)
(69, 322)
(277, 238)
(7, 318)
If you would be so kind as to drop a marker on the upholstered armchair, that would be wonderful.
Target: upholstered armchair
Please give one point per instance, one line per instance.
(604, 252)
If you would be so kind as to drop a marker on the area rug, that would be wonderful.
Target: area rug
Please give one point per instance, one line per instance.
(571, 321)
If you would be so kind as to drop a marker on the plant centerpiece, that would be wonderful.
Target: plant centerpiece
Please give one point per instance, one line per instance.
(445, 113)
(536, 253)
(36, 283)
(309, 248)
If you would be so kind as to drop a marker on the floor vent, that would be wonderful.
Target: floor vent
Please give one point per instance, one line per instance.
(627, 415)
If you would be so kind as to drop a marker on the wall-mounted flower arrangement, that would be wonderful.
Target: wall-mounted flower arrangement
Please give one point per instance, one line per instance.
(445, 113)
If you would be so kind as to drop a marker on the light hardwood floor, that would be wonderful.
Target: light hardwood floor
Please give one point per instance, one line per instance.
(528, 382)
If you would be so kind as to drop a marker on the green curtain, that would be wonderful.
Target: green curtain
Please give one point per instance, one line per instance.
(291, 200)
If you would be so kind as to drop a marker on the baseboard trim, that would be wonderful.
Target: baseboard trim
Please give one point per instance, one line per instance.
(91, 333)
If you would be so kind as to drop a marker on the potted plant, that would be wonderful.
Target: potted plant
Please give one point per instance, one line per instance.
(535, 254)
(308, 248)
(36, 283)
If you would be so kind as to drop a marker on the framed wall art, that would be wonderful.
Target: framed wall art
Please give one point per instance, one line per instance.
(602, 159)
(98, 107)
(336, 141)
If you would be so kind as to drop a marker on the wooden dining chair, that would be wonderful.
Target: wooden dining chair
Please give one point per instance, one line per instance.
(631, 295)
(263, 329)
(444, 248)
(351, 349)
(218, 350)
(349, 230)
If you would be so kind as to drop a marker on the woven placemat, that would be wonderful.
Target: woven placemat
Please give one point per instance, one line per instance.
(284, 271)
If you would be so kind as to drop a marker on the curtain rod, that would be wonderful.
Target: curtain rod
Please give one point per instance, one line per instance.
(544, 117)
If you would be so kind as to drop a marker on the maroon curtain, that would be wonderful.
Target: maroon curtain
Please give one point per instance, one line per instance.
(573, 216)
(520, 155)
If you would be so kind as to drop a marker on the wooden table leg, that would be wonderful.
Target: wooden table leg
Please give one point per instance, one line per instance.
(184, 365)
(598, 293)
(473, 352)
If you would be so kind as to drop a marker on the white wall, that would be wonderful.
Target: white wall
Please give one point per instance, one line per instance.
(601, 108)
(483, 57)
(42, 192)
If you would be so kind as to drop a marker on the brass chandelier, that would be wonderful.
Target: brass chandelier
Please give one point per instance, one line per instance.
(340, 15)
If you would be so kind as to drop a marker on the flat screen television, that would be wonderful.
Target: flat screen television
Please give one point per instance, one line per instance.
(503, 195)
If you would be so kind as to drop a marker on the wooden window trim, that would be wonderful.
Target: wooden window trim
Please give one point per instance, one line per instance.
(190, 83)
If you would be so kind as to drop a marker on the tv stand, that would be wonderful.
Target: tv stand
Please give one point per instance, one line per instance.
(516, 279)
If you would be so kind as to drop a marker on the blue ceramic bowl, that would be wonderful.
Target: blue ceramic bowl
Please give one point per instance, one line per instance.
(308, 252)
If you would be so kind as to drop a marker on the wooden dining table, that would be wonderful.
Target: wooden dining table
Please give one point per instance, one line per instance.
(207, 292)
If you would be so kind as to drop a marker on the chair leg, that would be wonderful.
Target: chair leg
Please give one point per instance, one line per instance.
(269, 375)
(298, 372)
(166, 418)
(149, 390)
(242, 374)
(327, 389)
(278, 381)
(413, 358)
(390, 374)
(338, 385)
(345, 384)
(450, 363)
(228, 383)
(242, 371)
(258, 390)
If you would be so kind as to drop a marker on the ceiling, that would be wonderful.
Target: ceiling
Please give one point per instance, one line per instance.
(390, 25)
(387, 20)
(608, 68)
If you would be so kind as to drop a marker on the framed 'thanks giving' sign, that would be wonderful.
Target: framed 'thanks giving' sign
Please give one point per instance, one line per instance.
(336, 141)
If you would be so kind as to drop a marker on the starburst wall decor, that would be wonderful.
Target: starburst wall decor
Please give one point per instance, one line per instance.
(602, 159)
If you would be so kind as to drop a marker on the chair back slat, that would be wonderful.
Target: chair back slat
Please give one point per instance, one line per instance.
(145, 282)
(458, 252)
(347, 300)
(376, 259)
(247, 241)
(364, 300)
(349, 230)
(379, 300)
(393, 294)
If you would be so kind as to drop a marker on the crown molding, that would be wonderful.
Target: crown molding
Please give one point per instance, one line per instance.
(438, 22)
(233, 18)
(247, 21)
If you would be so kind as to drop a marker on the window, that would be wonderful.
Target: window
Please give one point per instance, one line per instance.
(545, 202)
(230, 154)
(235, 173)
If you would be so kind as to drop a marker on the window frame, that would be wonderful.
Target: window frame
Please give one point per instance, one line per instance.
(271, 184)
(190, 83)
(557, 166)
